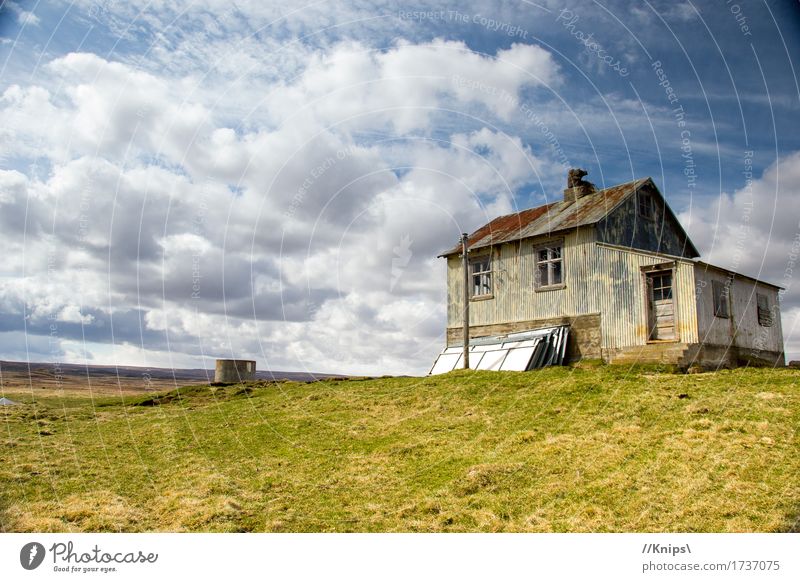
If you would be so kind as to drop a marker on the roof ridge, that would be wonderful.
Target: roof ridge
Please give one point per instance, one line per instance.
(552, 216)
(558, 201)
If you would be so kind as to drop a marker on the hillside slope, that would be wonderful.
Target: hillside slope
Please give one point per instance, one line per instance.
(603, 449)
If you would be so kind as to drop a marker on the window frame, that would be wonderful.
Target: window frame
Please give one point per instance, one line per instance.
(486, 276)
(550, 261)
(645, 201)
(720, 299)
(662, 287)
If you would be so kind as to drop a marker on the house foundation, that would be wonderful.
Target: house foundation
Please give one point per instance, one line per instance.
(583, 341)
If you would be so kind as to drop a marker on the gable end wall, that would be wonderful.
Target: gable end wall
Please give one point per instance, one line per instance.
(662, 234)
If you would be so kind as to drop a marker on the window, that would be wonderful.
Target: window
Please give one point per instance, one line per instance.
(662, 287)
(764, 314)
(549, 270)
(645, 204)
(481, 269)
(720, 292)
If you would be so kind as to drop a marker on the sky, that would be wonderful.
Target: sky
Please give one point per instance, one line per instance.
(181, 181)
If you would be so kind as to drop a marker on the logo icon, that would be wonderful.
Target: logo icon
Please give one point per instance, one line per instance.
(400, 260)
(31, 555)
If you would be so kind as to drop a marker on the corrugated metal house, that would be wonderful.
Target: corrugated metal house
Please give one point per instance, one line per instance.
(617, 266)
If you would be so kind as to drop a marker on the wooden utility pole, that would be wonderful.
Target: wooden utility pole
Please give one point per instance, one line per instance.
(465, 260)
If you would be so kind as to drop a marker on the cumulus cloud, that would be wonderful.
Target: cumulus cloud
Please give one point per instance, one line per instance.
(155, 223)
(750, 230)
(755, 231)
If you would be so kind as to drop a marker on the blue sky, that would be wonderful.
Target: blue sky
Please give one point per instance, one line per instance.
(182, 181)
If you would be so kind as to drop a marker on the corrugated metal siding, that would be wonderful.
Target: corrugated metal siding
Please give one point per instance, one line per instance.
(515, 298)
(621, 293)
(743, 320)
(598, 279)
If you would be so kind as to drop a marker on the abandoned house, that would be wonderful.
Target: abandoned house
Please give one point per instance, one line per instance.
(617, 267)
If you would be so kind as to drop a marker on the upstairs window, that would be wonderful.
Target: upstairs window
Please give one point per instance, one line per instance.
(764, 314)
(646, 205)
(481, 273)
(719, 290)
(549, 266)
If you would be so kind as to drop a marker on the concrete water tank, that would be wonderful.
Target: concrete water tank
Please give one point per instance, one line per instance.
(229, 371)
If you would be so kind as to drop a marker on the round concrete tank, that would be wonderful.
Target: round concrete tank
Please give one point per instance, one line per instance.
(229, 371)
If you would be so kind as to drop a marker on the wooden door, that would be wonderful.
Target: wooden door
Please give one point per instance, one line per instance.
(660, 306)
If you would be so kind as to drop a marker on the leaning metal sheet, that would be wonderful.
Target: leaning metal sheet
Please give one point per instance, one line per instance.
(474, 360)
(444, 363)
(517, 360)
(492, 360)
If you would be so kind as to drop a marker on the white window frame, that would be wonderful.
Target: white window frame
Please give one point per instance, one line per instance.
(484, 276)
(550, 261)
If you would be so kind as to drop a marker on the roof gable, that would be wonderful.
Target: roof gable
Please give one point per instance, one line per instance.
(553, 217)
(661, 232)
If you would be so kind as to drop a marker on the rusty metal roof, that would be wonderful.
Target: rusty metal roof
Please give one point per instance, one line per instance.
(551, 218)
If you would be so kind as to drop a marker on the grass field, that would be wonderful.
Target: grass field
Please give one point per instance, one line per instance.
(597, 449)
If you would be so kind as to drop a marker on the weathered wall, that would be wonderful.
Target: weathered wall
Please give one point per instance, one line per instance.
(622, 298)
(584, 340)
(714, 356)
(741, 329)
(514, 296)
(234, 371)
(663, 234)
(597, 279)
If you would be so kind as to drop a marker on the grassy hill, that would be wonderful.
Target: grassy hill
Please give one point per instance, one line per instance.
(562, 449)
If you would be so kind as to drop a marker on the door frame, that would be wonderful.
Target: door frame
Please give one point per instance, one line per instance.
(647, 270)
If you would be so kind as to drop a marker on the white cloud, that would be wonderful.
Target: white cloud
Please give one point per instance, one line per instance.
(288, 228)
(24, 17)
(755, 231)
(403, 85)
(750, 230)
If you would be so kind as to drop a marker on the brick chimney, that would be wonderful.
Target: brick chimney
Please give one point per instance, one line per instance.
(577, 187)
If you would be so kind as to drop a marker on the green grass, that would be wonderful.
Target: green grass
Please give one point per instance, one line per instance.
(594, 449)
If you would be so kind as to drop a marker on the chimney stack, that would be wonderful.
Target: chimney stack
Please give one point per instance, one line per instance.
(577, 187)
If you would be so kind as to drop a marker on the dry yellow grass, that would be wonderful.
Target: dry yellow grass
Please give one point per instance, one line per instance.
(592, 449)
